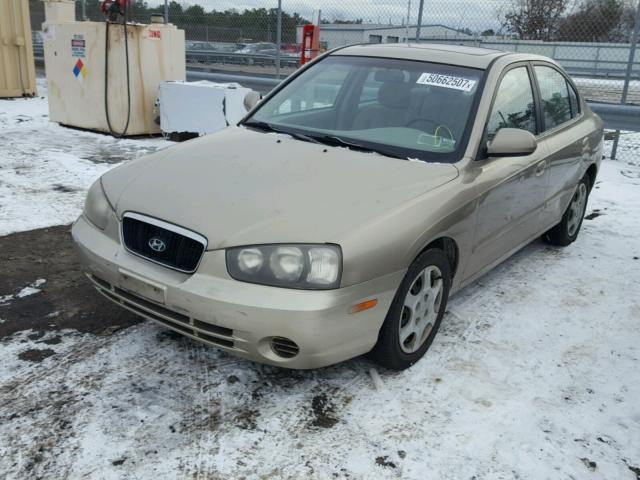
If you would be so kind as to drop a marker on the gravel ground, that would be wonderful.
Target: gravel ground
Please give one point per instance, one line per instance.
(534, 373)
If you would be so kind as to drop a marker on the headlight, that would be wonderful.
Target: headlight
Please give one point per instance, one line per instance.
(96, 207)
(304, 266)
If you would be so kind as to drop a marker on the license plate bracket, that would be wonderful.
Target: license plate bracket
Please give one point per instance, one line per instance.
(141, 286)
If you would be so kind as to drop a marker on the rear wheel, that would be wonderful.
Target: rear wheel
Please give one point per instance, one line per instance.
(567, 230)
(416, 312)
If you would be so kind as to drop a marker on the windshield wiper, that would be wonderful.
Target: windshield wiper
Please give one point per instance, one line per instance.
(332, 140)
(336, 141)
(269, 127)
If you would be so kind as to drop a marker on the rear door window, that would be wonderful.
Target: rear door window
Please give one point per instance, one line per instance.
(554, 95)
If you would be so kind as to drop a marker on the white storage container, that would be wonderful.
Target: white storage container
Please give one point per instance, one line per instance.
(200, 107)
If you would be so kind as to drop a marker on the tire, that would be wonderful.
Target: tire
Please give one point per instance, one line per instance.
(566, 232)
(395, 348)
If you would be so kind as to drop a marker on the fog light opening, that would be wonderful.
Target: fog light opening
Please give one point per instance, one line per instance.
(284, 347)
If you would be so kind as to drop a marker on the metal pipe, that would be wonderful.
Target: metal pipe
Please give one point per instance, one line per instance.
(632, 53)
(419, 26)
(166, 11)
(83, 10)
(278, 38)
(406, 29)
(627, 78)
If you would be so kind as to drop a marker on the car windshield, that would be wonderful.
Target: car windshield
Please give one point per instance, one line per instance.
(400, 108)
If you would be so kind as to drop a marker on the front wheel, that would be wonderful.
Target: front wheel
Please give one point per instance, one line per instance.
(567, 230)
(415, 313)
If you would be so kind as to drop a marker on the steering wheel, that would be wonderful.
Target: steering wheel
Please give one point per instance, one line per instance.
(425, 120)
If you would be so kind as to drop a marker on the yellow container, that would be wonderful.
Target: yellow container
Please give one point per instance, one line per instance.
(17, 68)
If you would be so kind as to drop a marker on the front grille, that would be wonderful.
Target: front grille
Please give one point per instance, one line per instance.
(215, 334)
(176, 247)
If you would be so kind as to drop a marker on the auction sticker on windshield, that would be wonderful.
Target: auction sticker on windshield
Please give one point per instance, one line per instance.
(447, 81)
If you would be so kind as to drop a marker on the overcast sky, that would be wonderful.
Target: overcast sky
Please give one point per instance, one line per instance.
(476, 15)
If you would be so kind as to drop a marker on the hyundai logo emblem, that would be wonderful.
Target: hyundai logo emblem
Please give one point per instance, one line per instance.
(157, 244)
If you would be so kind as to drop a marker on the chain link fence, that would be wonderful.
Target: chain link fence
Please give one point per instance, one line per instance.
(594, 40)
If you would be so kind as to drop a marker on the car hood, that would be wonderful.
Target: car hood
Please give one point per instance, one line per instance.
(241, 186)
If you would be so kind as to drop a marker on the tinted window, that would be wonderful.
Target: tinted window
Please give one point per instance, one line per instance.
(513, 106)
(554, 94)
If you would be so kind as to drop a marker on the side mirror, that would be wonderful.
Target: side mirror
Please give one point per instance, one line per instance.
(251, 99)
(512, 142)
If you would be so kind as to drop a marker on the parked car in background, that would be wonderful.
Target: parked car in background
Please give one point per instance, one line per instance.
(260, 48)
(339, 216)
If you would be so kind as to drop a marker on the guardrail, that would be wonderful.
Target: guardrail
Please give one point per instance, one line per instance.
(202, 56)
(618, 117)
(235, 58)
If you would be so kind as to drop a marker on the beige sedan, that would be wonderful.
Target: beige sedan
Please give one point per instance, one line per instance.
(341, 213)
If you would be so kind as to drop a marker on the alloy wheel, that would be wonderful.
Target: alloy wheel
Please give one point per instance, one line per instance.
(420, 308)
(576, 209)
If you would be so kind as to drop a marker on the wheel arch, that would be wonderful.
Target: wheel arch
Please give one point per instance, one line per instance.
(592, 172)
(450, 247)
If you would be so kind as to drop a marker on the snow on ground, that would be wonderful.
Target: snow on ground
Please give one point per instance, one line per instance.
(45, 169)
(534, 373)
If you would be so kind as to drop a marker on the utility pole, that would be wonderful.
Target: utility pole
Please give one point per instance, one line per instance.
(278, 38)
(419, 26)
(166, 11)
(627, 78)
(406, 30)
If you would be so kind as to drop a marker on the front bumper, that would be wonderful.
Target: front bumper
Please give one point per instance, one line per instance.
(238, 317)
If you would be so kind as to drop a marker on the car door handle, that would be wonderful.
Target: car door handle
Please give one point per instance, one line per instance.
(541, 167)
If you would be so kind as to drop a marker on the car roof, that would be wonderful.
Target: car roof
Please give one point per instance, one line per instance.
(427, 52)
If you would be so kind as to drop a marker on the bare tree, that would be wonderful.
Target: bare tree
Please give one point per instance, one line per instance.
(533, 19)
(597, 21)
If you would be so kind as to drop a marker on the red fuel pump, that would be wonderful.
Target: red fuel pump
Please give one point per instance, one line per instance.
(114, 8)
(310, 43)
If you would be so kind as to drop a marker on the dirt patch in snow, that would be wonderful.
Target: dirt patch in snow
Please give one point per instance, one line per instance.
(35, 354)
(48, 254)
(323, 410)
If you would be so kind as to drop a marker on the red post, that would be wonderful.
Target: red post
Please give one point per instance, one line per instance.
(310, 43)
